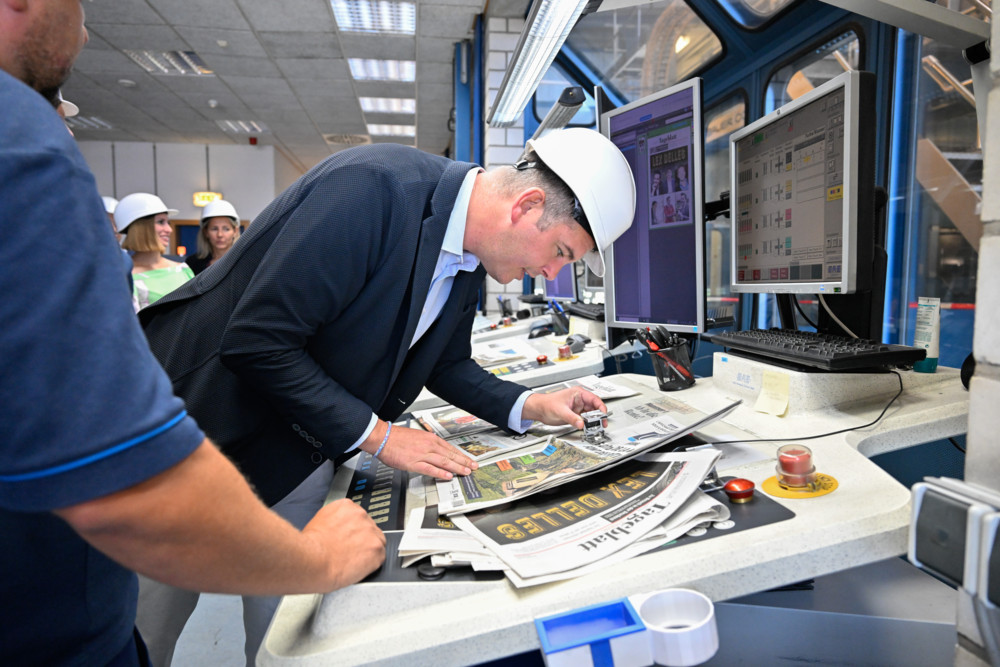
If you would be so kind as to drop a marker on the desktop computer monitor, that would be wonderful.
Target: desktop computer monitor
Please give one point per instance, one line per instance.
(655, 272)
(802, 195)
(591, 281)
(563, 288)
(602, 105)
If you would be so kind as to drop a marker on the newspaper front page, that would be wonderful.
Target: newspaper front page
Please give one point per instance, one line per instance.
(700, 509)
(481, 440)
(636, 426)
(586, 521)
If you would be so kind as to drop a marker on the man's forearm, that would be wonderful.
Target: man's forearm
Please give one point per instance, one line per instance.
(198, 525)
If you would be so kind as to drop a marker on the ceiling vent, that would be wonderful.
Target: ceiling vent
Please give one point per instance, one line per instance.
(347, 139)
(87, 123)
(176, 63)
(242, 126)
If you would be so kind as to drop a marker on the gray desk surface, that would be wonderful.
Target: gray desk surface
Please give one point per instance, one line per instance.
(865, 520)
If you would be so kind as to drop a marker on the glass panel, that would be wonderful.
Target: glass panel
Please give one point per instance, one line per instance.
(945, 191)
(839, 55)
(980, 9)
(642, 49)
(812, 69)
(721, 120)
(753, 13)
(549, 90)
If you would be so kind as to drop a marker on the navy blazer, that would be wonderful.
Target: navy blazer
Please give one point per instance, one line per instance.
(284, 347)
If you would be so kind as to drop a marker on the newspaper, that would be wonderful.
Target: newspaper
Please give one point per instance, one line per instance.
(700, 509)
(503, 351)
(426, 532)
(585, 522)
(637, 426)
(481, 440)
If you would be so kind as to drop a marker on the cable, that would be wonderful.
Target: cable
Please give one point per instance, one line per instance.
(843, 430)
(957, 446)
(836, 319)
(607, 352)
(798, 307)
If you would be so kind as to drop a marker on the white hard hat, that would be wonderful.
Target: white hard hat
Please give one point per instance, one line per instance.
(599, 176)
(139, 205)
(219, 207)
(109, 204)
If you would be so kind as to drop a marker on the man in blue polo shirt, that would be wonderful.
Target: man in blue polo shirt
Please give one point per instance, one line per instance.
(101, 469)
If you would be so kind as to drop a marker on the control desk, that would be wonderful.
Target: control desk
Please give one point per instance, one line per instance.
(864, 520)
(526, 369)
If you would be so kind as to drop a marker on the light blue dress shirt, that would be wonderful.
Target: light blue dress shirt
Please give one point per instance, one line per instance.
(452, 259)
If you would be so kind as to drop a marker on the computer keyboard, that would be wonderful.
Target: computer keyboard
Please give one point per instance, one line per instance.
(592, 311)
(826, 351)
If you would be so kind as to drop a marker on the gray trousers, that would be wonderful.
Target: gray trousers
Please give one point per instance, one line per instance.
(164, 610)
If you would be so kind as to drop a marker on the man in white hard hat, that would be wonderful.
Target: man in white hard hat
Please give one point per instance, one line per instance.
(101, 469)
(356, 288)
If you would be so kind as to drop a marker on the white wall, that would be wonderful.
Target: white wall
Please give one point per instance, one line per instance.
(502, 145)
(245, 175)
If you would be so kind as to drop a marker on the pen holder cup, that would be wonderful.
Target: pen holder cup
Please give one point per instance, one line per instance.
(672, 366)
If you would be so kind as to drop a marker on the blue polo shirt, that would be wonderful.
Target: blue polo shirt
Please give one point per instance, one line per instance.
(86, 411)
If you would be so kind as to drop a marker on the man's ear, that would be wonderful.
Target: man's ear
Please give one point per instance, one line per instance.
(529, 203)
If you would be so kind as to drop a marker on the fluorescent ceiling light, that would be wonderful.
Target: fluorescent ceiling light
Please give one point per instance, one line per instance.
(242, 126)
(388, 105)
(543, 35)
(392, 130)
(383, 70)
(169, 62)
(375, 16)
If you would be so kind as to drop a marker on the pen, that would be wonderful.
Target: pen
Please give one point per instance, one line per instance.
(678, 368)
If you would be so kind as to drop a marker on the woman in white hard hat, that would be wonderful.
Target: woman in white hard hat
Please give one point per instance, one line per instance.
(220, 227)
(145, 220)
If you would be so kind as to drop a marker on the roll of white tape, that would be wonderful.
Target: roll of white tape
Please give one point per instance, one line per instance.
(681, 626)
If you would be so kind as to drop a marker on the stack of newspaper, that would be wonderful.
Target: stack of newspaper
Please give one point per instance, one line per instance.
(559, 505)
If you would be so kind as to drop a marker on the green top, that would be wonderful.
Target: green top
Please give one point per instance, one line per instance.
(150, 286)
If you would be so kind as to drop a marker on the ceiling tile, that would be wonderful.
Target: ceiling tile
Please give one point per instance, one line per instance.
(238, 42)
(385, 47)
(203, 13)
(300, 44)
(142, 37)
(292, 15)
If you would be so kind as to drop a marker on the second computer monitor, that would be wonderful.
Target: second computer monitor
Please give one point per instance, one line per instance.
(563, 288)
(655, 271)
(802, 193)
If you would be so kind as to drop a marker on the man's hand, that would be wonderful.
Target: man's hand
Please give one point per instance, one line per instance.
(356, 546)
(562, 407)
(419, 451)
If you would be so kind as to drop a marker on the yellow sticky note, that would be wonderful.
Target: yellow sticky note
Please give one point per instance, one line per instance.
(773, 397)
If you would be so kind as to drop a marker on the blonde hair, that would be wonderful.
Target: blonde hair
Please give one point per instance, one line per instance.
(204, 247)
(140, 236)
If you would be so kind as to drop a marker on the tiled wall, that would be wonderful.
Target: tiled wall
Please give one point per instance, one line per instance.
(503, 145)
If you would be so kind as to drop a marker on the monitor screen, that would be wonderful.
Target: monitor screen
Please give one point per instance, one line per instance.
(563, 288)
(802, 182)
(592, 281)
(655, 270)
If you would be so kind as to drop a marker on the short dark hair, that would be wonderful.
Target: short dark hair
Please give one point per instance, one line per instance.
(560, 202)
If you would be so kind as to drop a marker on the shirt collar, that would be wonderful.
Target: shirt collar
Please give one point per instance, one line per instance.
(454, 236)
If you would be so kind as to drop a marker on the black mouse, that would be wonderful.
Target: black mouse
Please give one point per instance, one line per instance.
(538, 332)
